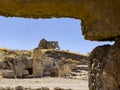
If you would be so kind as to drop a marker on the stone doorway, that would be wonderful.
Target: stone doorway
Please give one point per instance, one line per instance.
(30, 71)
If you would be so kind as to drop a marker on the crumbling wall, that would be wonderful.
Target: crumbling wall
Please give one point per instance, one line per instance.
(44, 44)
(21, 64)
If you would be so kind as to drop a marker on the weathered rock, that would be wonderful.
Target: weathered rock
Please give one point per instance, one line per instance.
(100, 19)
(38, 89)
(37, 63)
(19, 88)
(54, 62)
(57, 54)
(105, 67)
(21, 63)
(45, 88)
(58, 88)
(96, 66)
(50, 67)
(8, 74)
(28, 88)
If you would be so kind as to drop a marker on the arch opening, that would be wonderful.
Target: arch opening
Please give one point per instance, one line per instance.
(30, 70)
(26, 33)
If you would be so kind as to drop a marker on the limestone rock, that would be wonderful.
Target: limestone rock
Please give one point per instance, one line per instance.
(58, 88)
(8, 73)
(100, 19)
(37, 63)
(22, 63)
(105, 67)
(19, 88)
(45, 88)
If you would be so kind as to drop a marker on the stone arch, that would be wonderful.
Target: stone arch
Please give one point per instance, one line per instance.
(100, 19)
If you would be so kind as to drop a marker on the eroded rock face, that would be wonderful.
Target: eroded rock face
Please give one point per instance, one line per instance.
(100, 19)
(37, 63)
(104, 67)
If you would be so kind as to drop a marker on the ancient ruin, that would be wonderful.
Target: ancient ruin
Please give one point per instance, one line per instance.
(39, 63)
(52, 62)
(13, 64)
(100, 22)
(44, 44)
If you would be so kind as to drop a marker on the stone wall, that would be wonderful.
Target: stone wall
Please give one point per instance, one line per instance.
(57, 54)
(17, 67)
(21, 65)
(47, 66)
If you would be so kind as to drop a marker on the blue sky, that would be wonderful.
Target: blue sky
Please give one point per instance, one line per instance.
(21, 33)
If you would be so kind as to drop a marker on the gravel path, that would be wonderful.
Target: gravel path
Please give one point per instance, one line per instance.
(74, 84)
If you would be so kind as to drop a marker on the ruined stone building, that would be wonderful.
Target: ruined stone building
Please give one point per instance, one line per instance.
(100, 20)
(42, 63)
(52, 62)
(44, 44)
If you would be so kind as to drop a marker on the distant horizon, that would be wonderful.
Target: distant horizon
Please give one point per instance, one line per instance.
(25, 34)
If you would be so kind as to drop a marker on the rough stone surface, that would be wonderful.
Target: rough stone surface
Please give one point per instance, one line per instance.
(24, 88)
(105, 67)
(45, 88)
(44, 44)
(47, 62)
(66, 55)
(19, 88)
(100, 19)
(37, 63)
(8, 74)
(100, 22)
(20, 64)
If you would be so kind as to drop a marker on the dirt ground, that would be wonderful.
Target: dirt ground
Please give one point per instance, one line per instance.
(74, 84)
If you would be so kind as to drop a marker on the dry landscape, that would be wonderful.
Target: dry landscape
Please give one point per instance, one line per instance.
(44, 68)
(73, 84)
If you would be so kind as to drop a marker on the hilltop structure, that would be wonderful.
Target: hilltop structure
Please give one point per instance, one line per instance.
(44, 44)
(40, 62)
(100, 22)
(47, 61)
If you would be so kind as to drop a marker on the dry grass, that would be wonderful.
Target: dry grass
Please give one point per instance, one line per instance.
(73, 61)
(3, 49)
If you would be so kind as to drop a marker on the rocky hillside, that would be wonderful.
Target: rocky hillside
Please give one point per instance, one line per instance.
(4, 52)
(56, 54)
(19, 63)
(68, 57)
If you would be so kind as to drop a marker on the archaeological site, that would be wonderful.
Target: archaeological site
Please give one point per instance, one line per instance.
(39, 62)
(100, 20)
(46, 60)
